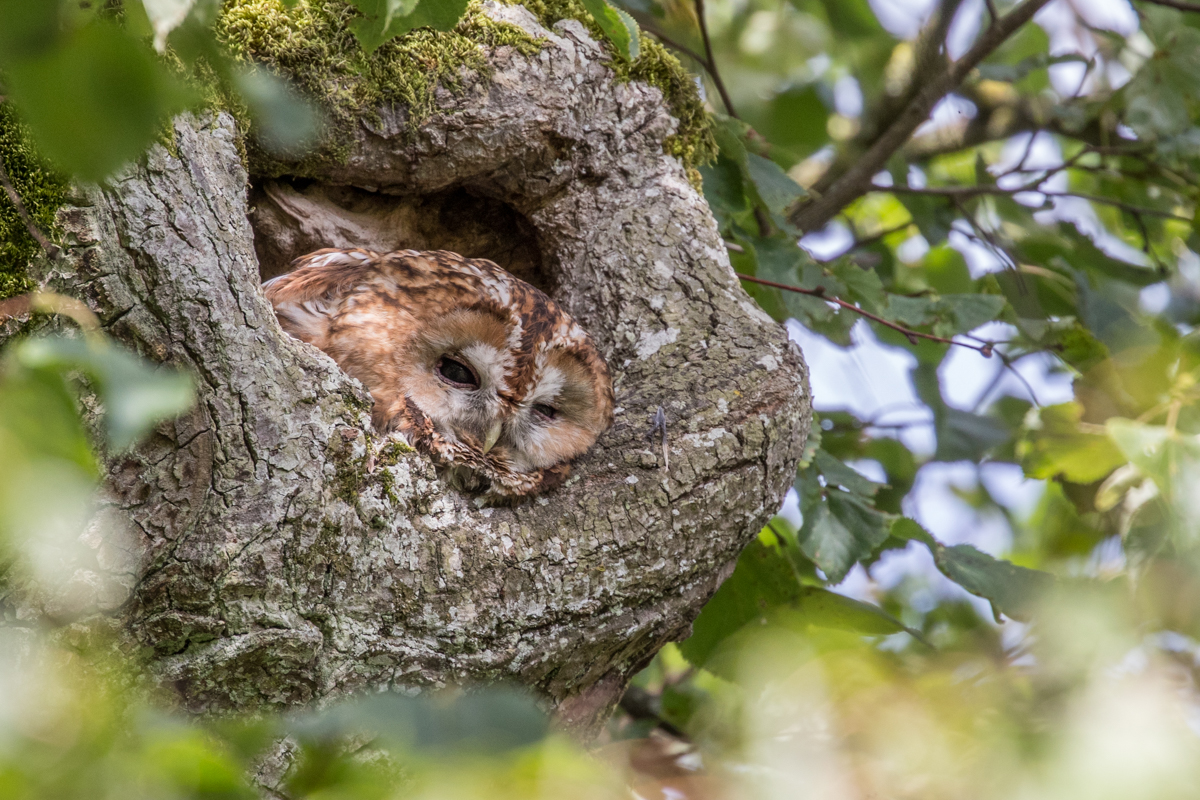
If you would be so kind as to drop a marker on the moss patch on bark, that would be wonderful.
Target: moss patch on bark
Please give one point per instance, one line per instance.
(312, 44)
(693, 142)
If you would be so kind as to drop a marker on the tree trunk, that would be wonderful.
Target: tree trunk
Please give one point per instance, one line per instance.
(286, 553)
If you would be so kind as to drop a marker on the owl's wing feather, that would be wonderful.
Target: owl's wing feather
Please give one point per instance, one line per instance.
(308, 297)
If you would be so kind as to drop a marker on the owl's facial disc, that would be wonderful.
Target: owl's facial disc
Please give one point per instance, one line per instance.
(558, 419)
(481, 370)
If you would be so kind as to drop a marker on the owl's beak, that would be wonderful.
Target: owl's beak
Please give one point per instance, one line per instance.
(492, 436)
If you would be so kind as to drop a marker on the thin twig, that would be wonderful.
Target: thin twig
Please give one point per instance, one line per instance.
(52, 250)
(972, 191)
(711, 62)
(875, 237)
(985, 349)
(1020, 165)
(669, 42)
(856, 181)
(1009, 365)
(991, 7)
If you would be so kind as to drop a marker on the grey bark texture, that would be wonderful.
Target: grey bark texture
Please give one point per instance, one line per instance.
(284, 553)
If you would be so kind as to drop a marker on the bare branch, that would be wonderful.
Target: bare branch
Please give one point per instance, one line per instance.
(856, 181)
(711, 62)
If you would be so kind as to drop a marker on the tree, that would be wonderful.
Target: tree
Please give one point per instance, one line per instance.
(284, 552)
(999, 193)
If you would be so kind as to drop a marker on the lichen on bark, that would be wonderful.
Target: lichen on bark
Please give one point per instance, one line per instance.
(285, 554)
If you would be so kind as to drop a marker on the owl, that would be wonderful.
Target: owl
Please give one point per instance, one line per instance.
(472, 366)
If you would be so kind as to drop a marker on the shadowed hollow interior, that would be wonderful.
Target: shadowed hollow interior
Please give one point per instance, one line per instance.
(293, 217)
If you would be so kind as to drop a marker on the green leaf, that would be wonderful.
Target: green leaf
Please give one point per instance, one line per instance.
(1056, 447)
(1109, 312)
(135, 395)
(839, 474)
(849, 18)
(492, 721)
(797, 120)
(1142, 444)
(964, 436)
(961, 435)
(839, 531)
(777, 190)
(1172, 460)
(932, 215)
(911, 312)
(617, 25)
(97, 101)
(27, 28)
(1060, 530)
(1162, 93)
(1012, 590)
(825, 609)
(383, 20)
(962, 313)
(724, 189)
(862, 284)
(284, 121)
(762, 581)
(39, 420)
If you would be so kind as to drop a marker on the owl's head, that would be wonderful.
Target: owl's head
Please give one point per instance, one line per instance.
(474, 366)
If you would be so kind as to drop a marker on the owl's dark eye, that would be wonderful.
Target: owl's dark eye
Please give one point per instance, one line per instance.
(456, 373)
(549, 412)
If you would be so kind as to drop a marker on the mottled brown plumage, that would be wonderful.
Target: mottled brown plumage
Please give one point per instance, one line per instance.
(473, 366)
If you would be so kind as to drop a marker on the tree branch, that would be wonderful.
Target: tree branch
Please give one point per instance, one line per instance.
(987, 348)
(711, 62)
(929, 60)
(687, 51)
(52, 250)
(975, 191)
(856, 181)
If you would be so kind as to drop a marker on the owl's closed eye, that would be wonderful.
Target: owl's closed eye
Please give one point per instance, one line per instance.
(475, 367)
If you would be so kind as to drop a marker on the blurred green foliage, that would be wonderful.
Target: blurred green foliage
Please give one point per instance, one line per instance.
(1082, 679)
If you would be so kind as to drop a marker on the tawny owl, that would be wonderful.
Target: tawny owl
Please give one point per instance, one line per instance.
(476, 368)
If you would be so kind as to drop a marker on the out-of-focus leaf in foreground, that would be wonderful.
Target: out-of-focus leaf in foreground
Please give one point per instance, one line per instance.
(135, 396)
(383, 20)
(96, 99)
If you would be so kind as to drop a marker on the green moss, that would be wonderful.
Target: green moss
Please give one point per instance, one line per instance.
(312, 43)
(351, 476)
(41, 190)
(693, 142)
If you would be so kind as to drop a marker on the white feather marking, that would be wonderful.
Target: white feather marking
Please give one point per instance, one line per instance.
(548, 388)
(490, 362)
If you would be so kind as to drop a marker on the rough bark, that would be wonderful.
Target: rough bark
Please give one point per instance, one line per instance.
(285, 553)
